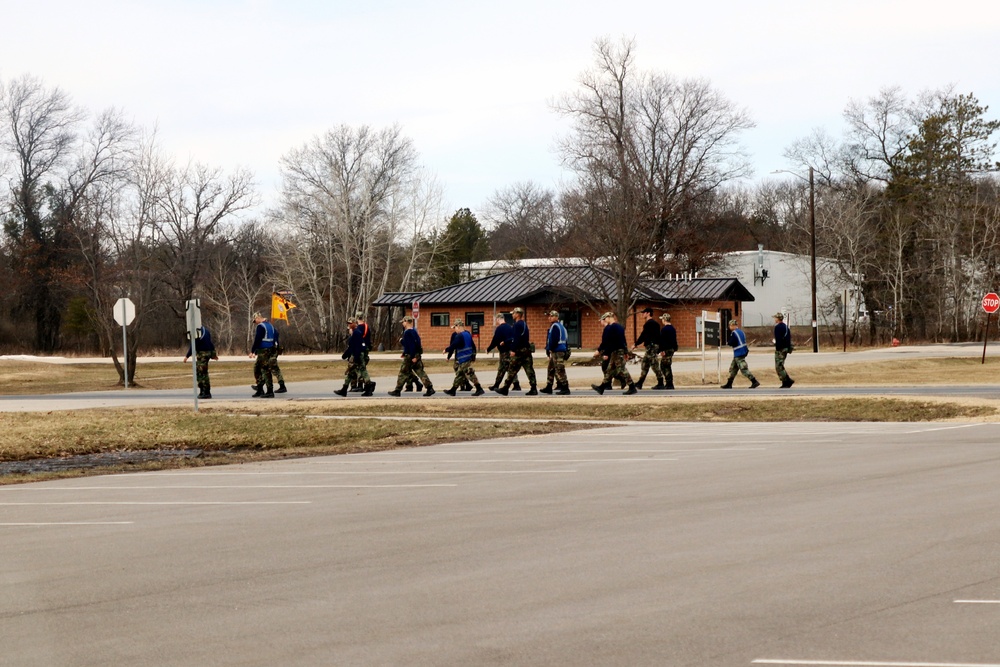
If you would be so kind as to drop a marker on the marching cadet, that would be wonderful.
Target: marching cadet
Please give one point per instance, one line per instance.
(411, 364)
(650, 338)
(264, 349)
(782, 348)
(204, 350)
(520, 356)
(738, 341)
(503, 337)
(354, 354)
(614, 348)
(465, 355)
(668, 345)
(556, 349)
(453, 345)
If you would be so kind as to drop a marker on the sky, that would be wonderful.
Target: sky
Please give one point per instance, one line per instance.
(239, 83)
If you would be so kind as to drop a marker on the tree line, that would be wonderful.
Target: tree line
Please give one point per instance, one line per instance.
(905, 201)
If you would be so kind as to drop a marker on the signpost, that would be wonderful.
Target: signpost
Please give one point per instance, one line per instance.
(124, 313)
(991, 304)
(193, 308)
(415, 308)
(711, 334)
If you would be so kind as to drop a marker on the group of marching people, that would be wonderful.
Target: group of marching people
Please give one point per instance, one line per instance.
(512, 341)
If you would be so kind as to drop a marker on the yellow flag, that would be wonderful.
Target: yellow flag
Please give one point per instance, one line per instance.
(280, 307)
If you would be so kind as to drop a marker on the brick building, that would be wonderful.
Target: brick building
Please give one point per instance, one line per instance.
(580, 294)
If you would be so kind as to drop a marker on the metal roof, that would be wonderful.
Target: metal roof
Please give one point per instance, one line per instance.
(396, 298)
(525, 285)
(700, 289)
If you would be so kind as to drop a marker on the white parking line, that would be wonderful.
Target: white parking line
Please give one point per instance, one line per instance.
(232, 486)
(283, 473)
(977, 601)
(178, 502)
(852, 663)
(71, 523)
(862, 663)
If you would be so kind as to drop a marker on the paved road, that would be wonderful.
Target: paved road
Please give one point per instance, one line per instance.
(580, 376)
(685, 545)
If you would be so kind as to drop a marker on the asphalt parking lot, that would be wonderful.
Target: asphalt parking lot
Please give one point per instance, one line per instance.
(646, 544)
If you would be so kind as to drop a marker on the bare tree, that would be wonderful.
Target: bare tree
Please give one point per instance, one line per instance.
(646, 150)
(525, 222)
(346, 197)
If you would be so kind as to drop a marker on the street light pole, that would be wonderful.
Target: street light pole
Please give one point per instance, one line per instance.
(812, 233)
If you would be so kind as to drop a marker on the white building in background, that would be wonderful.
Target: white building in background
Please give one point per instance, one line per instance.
(779, 281)
(782, 282)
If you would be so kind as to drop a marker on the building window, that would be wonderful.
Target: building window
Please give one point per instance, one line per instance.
(440, 319)
(475, 322)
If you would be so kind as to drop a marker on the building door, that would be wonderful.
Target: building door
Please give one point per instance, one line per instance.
(571, 320)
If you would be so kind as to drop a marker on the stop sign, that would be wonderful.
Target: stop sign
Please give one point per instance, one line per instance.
(415, 309)
(991, 302)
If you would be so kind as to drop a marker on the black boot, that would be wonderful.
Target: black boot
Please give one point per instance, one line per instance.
(753, 383)
(451, 392)
(369, 389)
(517, 386)
(429, 391)
(599, 388)
(787, 384)
(409, 387)
(632, 389)
(547, 389)
(658, 386)
(533, 391)
(281, 388)
(256, 387)
(479, 391)
(418, 385)
(342, 391)
(638, 385)
(395, 392)
(259, 392)
(269, 393)
(728, 385)
(563, 390)
(503, 391)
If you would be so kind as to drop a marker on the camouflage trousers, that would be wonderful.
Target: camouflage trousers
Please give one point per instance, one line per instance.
(357, 381)
(201, 369)
(739, 365)
(357, 372)
(651, 360)
(263, 368)
(503, 365)
(779, 364)
(557, 370)
(616, 368)
(666, 367)
(258, 369)
(464, 373)
(409, 369)
(522, 359)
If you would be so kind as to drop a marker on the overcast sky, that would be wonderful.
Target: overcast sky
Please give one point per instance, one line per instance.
(239, 83)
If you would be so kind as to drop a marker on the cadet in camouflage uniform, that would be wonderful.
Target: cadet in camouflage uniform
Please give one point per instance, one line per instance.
(411, 364)
(614, 349)
(503, 337)
(782, 348)
(668, 345)
(258, 369)
(520, 356)
(556, 349)
(650, 337)
(465, 355)
(354, 354)
(738, 341)
(264, 349)
(204, 350)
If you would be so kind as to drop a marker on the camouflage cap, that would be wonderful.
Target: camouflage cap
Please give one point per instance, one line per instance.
(517, 310)
(352, 320)
(553, 313)
(607, 316)
(408, 318)
(257, 316)
(359, 316)
(458, 323)
(665, 317)
(778, 316)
